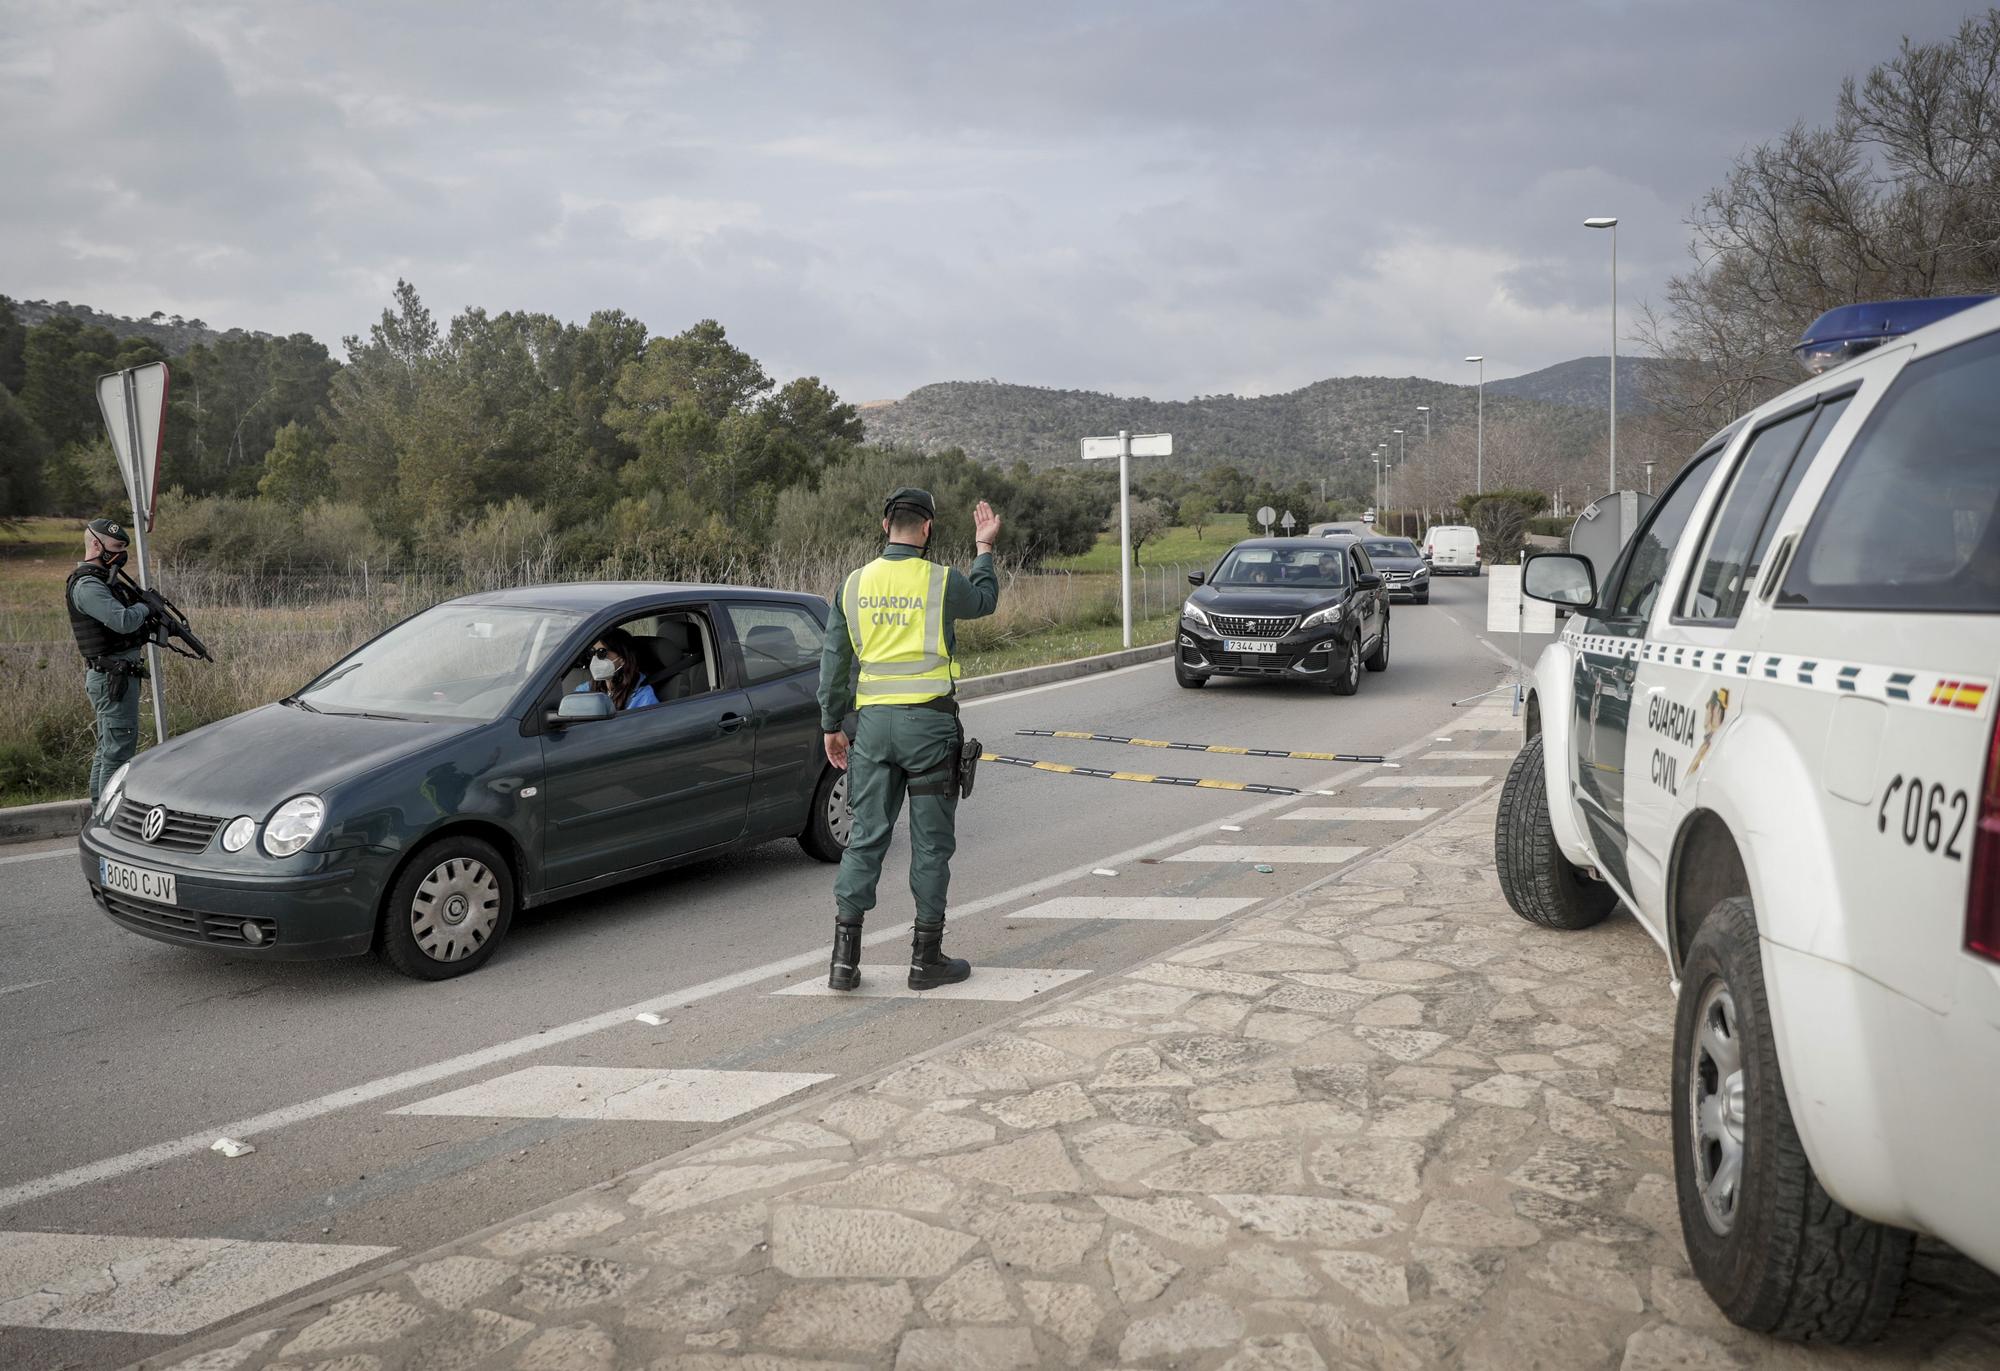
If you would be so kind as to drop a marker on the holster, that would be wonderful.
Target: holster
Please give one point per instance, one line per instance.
(121, 671)
(969, 751)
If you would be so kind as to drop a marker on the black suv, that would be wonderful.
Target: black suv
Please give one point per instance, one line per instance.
(1294, 609)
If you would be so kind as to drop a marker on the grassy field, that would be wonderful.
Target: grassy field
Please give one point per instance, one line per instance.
(272, 634)
(1175, 545)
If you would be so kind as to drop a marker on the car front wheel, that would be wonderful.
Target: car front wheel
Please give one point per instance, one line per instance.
(448, 910)
(1542, 885)
(826, 830)
(1378, 660)
(1774, 1251)
(1347, 670)
(1185, 679)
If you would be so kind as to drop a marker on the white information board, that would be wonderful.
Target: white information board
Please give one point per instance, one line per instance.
(1504, 605)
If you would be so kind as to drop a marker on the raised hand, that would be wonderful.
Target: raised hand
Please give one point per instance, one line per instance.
(985, 524)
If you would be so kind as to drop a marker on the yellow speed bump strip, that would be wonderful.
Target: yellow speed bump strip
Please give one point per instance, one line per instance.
(1200, 747)
(1144, 778)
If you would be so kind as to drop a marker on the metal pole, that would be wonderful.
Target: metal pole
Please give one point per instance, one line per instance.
(1125, 527)
(1479, 449)
(1612, 483)
(1521, 636)
(140, 517)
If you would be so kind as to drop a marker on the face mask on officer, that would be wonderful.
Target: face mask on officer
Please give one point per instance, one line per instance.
(603, 666)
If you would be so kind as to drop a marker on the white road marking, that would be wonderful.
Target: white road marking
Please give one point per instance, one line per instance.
(1230, 852)
(24, 985)
(1341, 814)
(1465, 757)
(38, 856)
(1199, 907)
(626, 1093)
(1397, 782)
(366, 1092)
(105, 1284)
(1000, 983)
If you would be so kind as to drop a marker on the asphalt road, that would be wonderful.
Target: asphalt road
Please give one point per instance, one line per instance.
(121, 1059)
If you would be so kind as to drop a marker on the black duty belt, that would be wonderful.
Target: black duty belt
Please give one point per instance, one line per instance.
(117, 666)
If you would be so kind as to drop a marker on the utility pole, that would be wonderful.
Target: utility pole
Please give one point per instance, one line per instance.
(1479, 450)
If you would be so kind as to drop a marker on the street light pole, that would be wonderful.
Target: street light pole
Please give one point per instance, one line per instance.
(1429, 465)
(1610, 222)
(1479, 449)
(1649, 476)
(1402, 460)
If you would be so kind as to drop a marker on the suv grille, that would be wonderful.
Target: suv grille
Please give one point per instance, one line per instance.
(182, 832)
(1235, 627)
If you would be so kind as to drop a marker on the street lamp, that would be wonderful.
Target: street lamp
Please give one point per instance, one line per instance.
(1608, 222)
(1479, 448)
(1649, 476)
(1401, 459)
(1425, 410)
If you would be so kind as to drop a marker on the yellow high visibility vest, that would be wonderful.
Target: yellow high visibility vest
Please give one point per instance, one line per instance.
(895, 619)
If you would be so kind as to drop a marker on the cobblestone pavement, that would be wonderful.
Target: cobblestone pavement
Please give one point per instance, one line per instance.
(1385, 1125)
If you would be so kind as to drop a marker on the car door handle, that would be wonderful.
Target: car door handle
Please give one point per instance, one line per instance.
(731, 722)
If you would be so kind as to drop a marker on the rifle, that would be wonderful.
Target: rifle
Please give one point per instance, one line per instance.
(168, 623)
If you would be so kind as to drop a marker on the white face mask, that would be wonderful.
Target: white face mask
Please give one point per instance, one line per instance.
(602, 668)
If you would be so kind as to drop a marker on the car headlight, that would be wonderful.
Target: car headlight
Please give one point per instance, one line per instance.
(241, 830)
(1421, 572)
(1197, 614)
(1320, 617)
(294, 825)
(114, 791)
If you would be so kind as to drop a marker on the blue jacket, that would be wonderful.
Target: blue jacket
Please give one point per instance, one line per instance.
(642, 695)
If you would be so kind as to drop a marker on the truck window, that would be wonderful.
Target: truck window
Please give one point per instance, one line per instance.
(1740, 532)
(1909, 520)
(1653, 546)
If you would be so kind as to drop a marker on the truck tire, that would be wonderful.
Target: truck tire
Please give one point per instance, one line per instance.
(1774, 1251)
(1542, 885)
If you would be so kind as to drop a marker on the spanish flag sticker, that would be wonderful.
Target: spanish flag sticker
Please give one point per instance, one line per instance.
(1958, 694)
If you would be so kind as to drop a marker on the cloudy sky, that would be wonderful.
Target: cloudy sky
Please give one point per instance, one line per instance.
(1157, 197)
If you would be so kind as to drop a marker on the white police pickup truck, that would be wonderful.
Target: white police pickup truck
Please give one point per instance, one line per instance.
(1771, 733)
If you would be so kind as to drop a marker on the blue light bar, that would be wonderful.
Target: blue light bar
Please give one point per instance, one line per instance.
(1852, 330)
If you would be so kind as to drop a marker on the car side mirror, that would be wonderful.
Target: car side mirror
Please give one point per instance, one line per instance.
(578, 706)
(1196, 578)
(1560, 578)
(1369, 582)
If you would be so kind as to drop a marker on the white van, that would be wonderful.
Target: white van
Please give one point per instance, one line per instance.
(1769, 731)
(1453, 549)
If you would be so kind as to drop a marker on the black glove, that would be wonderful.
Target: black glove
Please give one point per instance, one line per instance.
(154, 601)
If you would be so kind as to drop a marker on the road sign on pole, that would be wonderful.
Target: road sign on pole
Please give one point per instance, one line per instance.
(1266, 516)
(1288, 523)
(134, 405)
(1125, 446)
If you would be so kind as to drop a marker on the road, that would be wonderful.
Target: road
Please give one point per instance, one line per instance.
(123, 1059)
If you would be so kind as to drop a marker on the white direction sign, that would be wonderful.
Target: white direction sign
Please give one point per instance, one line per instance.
(1509, 611)
(1143, 445)
(134, 404)
(1288, 523)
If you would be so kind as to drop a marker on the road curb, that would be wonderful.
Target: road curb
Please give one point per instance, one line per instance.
(64, 818)
(33, 823)
(1000, 682)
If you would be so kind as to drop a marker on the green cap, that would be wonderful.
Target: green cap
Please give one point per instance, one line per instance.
(912, 498)
(105, 528)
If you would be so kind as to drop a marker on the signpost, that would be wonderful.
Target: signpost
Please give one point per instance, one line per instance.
(1125, 446)
(1507, 608)
(1266, 516)
(134, 405)
(1288, 523)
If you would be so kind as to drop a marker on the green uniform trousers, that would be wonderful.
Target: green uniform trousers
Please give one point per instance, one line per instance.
(900, 750)
(117, 725)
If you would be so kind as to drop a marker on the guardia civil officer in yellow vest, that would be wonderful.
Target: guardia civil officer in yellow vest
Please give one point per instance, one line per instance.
(889, 650)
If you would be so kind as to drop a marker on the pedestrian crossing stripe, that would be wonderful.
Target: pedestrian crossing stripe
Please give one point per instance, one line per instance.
(1144, 778)
(1198, 747)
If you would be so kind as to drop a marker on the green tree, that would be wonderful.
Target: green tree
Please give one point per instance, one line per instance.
(23, 450)
(13, 347)
(1149, 521)
(1196, 511)
(62, 360)
(296, 471)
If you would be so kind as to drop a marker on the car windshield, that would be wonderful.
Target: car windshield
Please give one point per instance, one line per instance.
(453, 661)
(1305, 568)
(1391, 547)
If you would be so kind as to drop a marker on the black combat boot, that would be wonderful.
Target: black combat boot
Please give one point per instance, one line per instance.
(929, 967)
(845, 973)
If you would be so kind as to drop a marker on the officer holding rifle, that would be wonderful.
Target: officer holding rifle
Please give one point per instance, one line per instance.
(889, 654)
(111, 618)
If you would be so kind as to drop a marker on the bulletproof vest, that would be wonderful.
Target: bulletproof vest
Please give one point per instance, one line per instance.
(93, 639)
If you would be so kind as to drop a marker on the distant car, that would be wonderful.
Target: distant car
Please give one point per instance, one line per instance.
(1343, 528)
(1286, 609)
(1404, 570)
(1453, 549)
(447, 774)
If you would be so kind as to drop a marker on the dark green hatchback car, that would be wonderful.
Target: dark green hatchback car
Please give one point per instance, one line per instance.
(456, 769)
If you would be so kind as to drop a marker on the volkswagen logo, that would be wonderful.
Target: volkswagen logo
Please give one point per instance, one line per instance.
(156, 819)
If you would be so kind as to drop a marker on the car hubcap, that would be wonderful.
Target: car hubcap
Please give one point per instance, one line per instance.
(1354, 663)
(455, 910)
(1385, 643)
(1717, 1103)
(839, 817)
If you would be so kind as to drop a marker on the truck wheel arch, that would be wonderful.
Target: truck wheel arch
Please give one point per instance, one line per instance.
(1707, 869)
